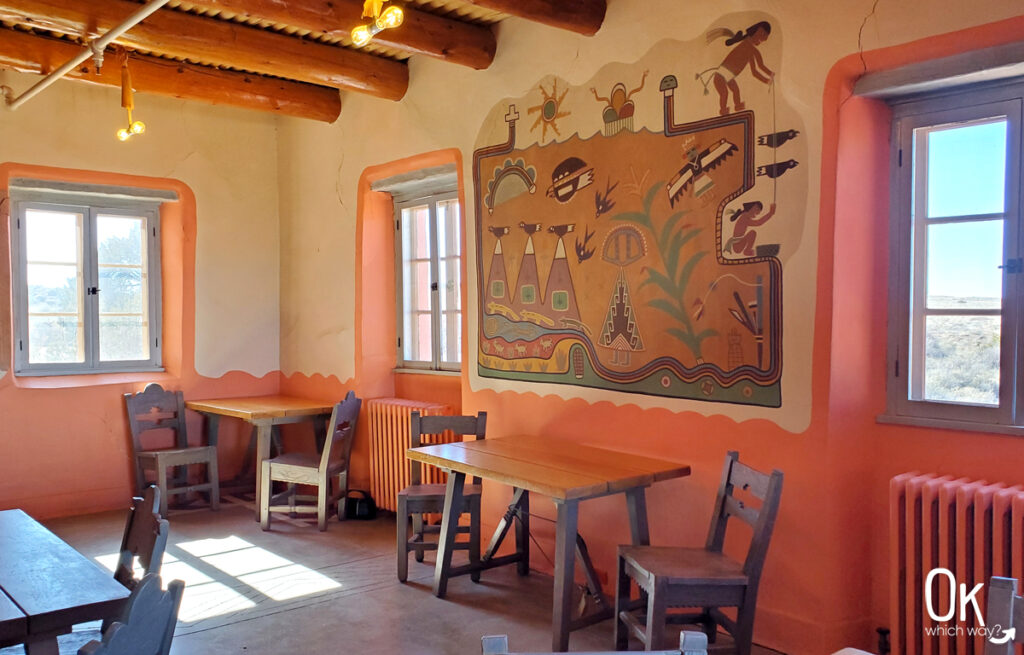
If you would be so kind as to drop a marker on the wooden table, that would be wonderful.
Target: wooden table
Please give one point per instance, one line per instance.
(264, 413)
(50, 584)
(567, 472)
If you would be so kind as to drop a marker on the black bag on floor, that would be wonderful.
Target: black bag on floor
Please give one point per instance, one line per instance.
(359, 505)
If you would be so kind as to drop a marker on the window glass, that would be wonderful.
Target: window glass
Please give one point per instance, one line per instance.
(54, 275)
(124, 288)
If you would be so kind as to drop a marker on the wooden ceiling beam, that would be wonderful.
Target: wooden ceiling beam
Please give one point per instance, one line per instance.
(422, 33)
(26, 53)
(218, 42)
(580, 16)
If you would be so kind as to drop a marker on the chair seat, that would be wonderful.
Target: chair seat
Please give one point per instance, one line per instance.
(179, 456)
(421, 491)
(685, 565)
(304, 460)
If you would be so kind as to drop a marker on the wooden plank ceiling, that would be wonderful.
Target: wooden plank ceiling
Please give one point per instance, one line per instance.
(289, 57)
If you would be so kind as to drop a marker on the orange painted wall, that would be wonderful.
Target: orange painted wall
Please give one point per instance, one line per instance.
(826, 582)
(65, 440)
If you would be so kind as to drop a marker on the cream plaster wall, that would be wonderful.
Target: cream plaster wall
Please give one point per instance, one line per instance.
(228, 157)
(446, 106)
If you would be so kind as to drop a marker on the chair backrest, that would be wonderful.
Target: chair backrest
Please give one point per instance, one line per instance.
(145, 537)
(1006, 610)
(463, 425)
(156, 409)
(341, 432)
(768, 489)
(147, 624)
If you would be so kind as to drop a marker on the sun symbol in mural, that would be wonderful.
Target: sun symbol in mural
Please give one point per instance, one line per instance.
(549, 110)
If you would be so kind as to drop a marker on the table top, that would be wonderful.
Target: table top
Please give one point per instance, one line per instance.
(553, 467)
(53, 584)
(254, 408)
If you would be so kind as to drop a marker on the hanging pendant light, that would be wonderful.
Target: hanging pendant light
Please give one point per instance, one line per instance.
(128, 102)
(383, 19)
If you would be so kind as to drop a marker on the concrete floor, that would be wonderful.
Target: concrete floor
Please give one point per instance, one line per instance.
(297, 590)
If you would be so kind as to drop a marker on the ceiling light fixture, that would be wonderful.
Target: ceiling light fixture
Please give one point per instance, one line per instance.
(382, 20)
(128, 102)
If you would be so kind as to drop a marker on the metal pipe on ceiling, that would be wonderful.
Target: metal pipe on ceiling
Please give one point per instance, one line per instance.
(94, 49)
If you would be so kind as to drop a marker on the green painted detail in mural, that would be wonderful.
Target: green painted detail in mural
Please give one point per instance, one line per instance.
(560, 300)
(675, 279)
(528, 294)
(498, 289)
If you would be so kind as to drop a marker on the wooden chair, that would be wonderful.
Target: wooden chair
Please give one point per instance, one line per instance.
(690, 643)
(1006, 610)
(418, 499)
(316, 470)
(702, 577)
(145, 538)
(154, 410)
(147, 624)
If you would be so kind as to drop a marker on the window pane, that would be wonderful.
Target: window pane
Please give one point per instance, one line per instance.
(123, 338)
(124, 287)
(962, 359)
(415, 233)
(967, 169)
(449, 245)
(54, 279)
(416, 344)
(963, 265)
(55, 340)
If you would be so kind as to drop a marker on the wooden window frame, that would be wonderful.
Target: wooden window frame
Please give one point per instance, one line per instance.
(435, 363)
(89, 206)
(962, 104)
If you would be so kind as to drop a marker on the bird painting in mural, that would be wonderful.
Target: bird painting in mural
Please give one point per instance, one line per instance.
(530, 228)
(498, 231)
(697, 164)
(561, 230)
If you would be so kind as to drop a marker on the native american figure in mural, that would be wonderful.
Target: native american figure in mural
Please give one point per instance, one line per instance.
(744, 54)
(627, 273)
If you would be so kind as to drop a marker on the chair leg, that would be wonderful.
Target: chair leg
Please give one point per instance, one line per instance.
(321, 504)
(265, 497)
(402, 541)
(212, 471)
(710, 627)
(417, 531)
(622, 589)
(744, 636)
(655, 636)
(161, 484)
(474, 538)
(342, 493)
(291, 498)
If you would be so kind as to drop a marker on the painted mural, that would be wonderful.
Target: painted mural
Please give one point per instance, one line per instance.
(631, 232)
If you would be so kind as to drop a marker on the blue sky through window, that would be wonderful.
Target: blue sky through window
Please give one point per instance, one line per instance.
(966, 176)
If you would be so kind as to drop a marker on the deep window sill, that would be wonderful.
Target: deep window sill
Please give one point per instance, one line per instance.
(946, 424)
(425, 371)
(89, 379)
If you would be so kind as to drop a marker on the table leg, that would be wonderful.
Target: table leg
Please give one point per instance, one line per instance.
(45, 646)
(565, 567)
(636, 501)
(453, 502)
(523, 534)
(263, 431)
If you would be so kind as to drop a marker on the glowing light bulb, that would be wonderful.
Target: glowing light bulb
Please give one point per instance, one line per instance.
(361, 35)
(392, 17)
(138, 127)
(123, 134)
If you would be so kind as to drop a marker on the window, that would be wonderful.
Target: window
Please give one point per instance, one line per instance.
(956, 260)
(86, 282)
(428, 279)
